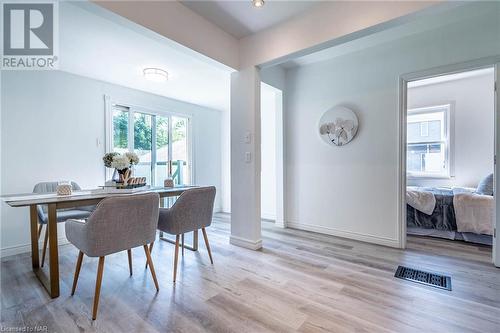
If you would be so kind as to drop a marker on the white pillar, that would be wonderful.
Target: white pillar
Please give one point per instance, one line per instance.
(245, 159)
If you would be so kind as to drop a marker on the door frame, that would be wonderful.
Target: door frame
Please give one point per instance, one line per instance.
(279, 170)
(488, 62)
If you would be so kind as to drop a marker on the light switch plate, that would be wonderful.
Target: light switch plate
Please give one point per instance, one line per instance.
(248, 137)
(248, 157)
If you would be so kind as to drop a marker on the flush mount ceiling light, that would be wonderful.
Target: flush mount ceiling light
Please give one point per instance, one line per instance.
(258, 3)
(155, 74)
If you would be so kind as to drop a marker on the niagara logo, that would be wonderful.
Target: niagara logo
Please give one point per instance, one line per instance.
(30, 36)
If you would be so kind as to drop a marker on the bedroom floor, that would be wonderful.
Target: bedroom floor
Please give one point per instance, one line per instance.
(299, 282)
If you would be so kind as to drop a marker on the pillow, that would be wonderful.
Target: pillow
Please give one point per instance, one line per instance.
(485, 187)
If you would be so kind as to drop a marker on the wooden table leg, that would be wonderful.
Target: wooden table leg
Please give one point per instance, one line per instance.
(195, 240)
(51, 283)
(54, 252)
(35, 261)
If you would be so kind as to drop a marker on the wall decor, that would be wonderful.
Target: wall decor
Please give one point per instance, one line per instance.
(338, 126)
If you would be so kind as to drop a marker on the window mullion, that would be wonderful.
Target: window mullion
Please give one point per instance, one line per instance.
(130, 136)
(170, 127)
(153, 150)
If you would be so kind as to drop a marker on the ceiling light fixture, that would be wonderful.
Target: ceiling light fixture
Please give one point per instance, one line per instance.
(155, 74)
(258, 3)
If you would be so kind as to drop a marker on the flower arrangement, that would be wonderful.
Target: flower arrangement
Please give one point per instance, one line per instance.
(122, 163)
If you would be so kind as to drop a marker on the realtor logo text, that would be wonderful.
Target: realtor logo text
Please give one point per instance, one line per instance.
(29, 36)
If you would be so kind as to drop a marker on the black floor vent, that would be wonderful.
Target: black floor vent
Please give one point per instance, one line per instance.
(430, 279)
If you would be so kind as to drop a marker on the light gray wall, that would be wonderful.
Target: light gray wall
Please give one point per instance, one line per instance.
(51, 122)
(472, 126)
(352, 191)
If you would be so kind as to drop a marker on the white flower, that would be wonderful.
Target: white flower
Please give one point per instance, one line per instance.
(133, 158)
(120, 162)
(327, 128)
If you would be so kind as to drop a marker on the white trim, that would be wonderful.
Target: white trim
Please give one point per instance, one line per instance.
(26, 248)
(269, 217)
(245, 243)
(386, 241)
(401, 169)
(496, 173)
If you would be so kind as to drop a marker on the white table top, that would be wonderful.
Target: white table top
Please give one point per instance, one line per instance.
(27, 199)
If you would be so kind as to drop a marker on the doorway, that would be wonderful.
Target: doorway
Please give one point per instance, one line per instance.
(438, 154)
(272, 182)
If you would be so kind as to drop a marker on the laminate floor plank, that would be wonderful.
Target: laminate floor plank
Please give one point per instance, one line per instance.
(299, 282)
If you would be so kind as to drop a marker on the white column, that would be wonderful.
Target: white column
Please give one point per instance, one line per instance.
(496, 234)
(245, 159)
(280, 162)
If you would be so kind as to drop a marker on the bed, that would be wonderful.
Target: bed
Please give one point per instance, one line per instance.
(451, 213)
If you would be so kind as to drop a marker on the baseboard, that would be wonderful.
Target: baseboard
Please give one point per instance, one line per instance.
(18, 249)
(268, 217)
(246, 243)
(280, 224)
(345, 234)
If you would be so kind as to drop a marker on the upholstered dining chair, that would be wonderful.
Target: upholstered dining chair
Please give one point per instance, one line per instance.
(62, 214)
(118, 223)
(192, 211)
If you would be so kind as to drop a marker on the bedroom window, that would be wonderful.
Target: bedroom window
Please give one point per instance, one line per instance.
(428, 144)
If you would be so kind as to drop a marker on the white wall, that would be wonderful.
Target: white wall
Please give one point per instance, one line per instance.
(352, 191)
(268, 152)
(472, 126)
(51, 122)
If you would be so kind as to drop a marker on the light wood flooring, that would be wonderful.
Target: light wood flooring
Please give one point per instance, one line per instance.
(299, 282)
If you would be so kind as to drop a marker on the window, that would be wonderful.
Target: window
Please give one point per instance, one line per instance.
(161, 141)
(428, 145)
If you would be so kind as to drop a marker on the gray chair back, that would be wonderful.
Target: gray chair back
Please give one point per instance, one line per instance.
(117, 224)
(49, 187)
(193, 210)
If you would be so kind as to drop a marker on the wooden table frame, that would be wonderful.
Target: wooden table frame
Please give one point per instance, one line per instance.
(54, 202)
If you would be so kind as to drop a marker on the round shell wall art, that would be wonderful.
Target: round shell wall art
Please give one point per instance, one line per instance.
(338, 126)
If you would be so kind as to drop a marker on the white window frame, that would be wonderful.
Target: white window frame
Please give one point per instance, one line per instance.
(109, 104)
(447, 141)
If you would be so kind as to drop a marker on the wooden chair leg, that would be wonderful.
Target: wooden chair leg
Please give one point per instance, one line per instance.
(207, 245)
(150, 251)
(182, 242)
(98, 282)
(176, 256)
(77, 272)
(45, 241)
(129, 253)
(151, 266)
(40, 230)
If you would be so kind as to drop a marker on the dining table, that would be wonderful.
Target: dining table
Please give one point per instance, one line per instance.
(81, 198)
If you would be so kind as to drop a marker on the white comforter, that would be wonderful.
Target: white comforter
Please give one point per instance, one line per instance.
(473, 212)
(420, 200)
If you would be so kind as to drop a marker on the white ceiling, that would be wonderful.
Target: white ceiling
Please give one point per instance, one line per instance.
(240, 18)
(98, 44)
(440, 16)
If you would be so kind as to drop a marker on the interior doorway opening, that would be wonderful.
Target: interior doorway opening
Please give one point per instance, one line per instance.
(272, 154)
(448, 150)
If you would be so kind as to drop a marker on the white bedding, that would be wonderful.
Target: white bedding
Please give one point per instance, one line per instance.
(473, 212)
(420, 200)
